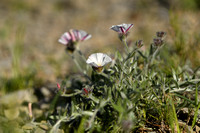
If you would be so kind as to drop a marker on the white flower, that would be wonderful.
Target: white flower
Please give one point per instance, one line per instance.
(122, 28)
(98, 60)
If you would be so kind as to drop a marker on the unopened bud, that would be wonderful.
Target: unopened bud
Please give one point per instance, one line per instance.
(86, 91)
(58, 85)
(139, 43)
(160, 34)
(158, 41)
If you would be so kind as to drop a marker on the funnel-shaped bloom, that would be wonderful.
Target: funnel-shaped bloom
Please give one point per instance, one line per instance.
(71, 38)
(122, 29)
(98, 60)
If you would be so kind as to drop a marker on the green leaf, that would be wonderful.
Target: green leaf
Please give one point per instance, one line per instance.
(195, 115)
(28, 126)
(12, 113)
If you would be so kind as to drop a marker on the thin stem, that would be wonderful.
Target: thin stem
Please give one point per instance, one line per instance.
(81, 54)
(155, 53)
(125, 43)
(73, 94)
(77, 64)
(84, 59)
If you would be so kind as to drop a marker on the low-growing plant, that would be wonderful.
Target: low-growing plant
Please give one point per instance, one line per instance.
(134, 94)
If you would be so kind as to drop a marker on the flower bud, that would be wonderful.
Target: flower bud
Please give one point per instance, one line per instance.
(160, 34)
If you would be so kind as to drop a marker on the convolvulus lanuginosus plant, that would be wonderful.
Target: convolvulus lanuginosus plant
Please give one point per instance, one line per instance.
(130, 92)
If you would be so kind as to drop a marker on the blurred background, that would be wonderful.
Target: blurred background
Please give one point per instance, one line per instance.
(31, 56)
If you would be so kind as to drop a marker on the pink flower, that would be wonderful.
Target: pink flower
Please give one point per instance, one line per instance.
(74, 36)
(122, 29)
(71, 38)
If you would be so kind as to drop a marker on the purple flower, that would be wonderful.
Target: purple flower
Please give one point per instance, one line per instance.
(71, 38)
(122, 29)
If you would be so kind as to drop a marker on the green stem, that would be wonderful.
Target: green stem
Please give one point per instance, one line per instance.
(81, 54)
(84, 59)
(73, 94)
(125, 43)
(77, 64)
(155, 53)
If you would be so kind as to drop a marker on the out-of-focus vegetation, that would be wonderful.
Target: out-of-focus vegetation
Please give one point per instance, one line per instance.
(32, 61)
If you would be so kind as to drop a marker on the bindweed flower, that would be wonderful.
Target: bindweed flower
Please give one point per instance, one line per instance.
(71, 38)
(98, 60)
(122, 29)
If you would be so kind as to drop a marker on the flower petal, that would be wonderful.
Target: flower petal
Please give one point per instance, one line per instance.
(106, 60)
(122, 29)
(92, 60)
(115, 28)
(128, 27)
(88, 36)
(76, 34)
(73, 35)
(65, 38)
(84, 35)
